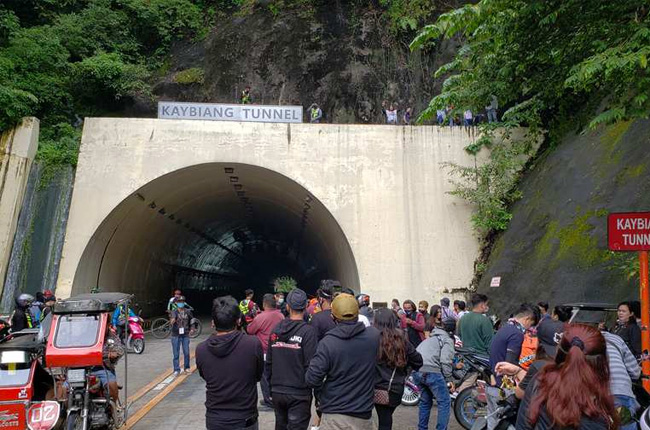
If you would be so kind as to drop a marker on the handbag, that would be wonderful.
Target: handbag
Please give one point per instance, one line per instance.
(382, 397)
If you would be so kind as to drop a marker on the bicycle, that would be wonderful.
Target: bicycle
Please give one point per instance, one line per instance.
(161, 328)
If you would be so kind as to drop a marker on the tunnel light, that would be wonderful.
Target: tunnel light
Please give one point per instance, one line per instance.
(308, 199)
(241, 193)
(307, 206)
(234, 179)
(172, 217)
(140, 196)
(229, 170)
(162, 211)
(238, 186)
(152, 205)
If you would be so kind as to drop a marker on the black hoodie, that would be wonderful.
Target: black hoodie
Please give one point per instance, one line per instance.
(292, 345)
(344, 369)
(231, 365)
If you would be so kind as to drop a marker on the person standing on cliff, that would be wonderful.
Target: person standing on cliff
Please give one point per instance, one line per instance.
(246, 98)
(315, 113)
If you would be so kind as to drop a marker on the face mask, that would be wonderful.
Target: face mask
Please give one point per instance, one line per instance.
(280, 301)
(423, 310)
(181, 305)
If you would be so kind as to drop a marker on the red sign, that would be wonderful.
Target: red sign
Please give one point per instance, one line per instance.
(12, 416)
(629, 231)
(43, 415)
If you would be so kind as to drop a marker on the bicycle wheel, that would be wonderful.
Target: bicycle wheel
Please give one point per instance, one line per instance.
(196, 329)
(161, 328)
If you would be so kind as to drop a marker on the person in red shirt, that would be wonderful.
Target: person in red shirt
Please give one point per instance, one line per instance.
(262, 326)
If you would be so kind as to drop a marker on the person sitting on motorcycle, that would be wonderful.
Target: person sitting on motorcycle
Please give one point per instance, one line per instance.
(112, 352)
(120, 319)
(47, 308)
(22, 317)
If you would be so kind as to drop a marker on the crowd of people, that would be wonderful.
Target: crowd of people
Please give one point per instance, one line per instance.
(348, 359)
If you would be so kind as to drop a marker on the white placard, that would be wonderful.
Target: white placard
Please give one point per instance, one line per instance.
(496, 282)
(228, 112)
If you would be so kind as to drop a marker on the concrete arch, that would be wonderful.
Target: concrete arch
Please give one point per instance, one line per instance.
(211, 229)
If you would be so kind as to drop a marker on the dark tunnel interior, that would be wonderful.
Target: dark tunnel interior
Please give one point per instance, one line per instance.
(211, 230)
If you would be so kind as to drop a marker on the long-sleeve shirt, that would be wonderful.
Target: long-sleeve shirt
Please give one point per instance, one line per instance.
(623, 367)
(263, 325)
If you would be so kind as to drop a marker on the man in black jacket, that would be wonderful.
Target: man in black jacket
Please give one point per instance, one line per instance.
(292, 345)
(231, 363)
(344, 369)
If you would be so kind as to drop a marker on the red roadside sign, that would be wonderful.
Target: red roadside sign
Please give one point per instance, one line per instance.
(631, 232)
(628, 231)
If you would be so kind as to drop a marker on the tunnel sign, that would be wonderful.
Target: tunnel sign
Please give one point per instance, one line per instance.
(228, 112)
(629, 231)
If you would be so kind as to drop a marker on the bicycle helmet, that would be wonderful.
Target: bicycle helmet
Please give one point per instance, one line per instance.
(363, 299)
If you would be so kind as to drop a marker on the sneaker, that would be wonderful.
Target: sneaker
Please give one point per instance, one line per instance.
(176, 373)
(315, 427)
(187, 371)
(453, 395)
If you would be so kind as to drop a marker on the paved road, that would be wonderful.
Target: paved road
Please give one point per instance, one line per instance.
(183, 409)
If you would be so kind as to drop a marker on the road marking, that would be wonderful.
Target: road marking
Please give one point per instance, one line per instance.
(133, 420)
(153, 384)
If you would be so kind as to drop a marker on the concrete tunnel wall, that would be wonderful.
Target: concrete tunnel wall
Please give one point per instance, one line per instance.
(381, 219)
(196, 229)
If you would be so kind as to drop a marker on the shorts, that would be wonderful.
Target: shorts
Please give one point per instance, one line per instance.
(105, 376)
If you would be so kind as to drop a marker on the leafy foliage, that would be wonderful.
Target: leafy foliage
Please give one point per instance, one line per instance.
(547, 62)
(63, 59)
(284, 284)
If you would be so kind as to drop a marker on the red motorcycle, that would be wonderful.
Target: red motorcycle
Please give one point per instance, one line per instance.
(135, 338)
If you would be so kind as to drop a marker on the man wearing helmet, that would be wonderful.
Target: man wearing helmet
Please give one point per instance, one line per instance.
(364, 307)
(22, 318)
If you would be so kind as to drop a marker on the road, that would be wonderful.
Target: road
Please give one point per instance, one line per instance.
(165, 402)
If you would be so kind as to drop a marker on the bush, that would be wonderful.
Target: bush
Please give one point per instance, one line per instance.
(194, 75)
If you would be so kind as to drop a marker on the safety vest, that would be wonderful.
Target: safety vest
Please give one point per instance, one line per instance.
(28, 316)
(314, 113)
(245, 98)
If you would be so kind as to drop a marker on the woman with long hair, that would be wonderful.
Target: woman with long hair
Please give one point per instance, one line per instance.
(395, 356)
(627, 328)
(572, 392)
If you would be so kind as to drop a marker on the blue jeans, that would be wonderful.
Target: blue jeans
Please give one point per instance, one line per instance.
(433, 385)
(631, 404)
(177, 341)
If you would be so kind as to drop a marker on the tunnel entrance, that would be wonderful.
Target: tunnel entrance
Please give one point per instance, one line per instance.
(215, 229)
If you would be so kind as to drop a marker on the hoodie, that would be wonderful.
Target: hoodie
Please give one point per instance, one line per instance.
(231, 365)
(437, 353)
(344, 370)
(292, 345)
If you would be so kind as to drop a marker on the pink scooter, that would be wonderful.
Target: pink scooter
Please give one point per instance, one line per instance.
(135, 341)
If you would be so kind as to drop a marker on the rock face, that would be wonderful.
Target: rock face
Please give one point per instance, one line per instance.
(338, 55)
(555, 248)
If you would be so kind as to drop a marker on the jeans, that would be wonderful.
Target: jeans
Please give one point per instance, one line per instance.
(441, 119)
(385, 415)
(177, 341)
(492, 115)
(266, 388)
(433, 385)
(468, 122)
(291, 412)
(629, 403)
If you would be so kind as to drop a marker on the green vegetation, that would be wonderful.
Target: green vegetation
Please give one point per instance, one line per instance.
(61, 60)
(284, 284)
(549, 63)
(194, 75)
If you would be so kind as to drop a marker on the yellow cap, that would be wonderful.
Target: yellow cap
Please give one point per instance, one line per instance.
(345, 307)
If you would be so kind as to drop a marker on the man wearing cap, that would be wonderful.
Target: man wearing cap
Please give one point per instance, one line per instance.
(262, 326)
(344, 369)
(292, 345)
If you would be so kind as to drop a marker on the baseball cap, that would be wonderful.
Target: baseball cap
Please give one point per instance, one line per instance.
(297, 299)
(549, 334)
(345, 307)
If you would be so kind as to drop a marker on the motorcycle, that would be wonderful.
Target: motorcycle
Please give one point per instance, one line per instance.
(471, 402)
(135, 339)
(75, 353)
(411, 395)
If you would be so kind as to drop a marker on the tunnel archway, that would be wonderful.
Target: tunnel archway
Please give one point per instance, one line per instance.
(215, 229)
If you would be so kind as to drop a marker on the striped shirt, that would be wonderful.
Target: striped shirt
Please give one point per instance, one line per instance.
(623, 366)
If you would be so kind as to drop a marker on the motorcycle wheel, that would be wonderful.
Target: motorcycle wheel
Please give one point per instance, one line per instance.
(410, 396)
(196, 330)
(74, 421)
(138, 346)
(160, 328)
(467, 408)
